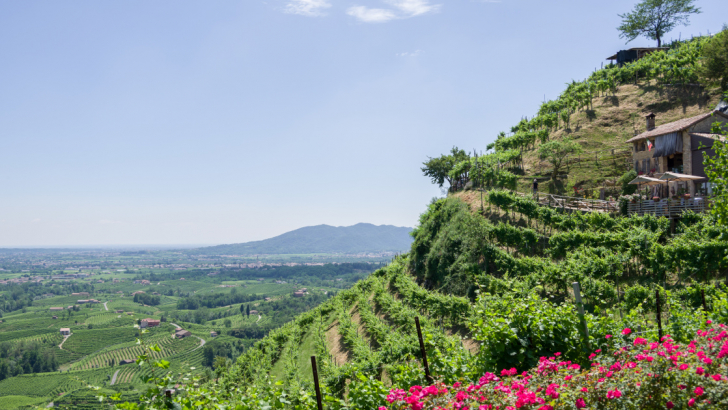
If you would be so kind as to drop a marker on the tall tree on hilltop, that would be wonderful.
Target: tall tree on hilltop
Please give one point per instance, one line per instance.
(438, 169)
(654, 18)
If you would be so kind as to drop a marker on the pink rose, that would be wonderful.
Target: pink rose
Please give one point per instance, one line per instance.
(669, 405)
(626, 331)
(640, 341)
(699, 391)
(580, 404)
(614, 394)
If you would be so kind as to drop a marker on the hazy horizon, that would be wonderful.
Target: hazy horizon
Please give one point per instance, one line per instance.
(162, 246)
(227, 122)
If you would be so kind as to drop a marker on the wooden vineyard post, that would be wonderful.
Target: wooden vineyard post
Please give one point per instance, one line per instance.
(580, 306)
(659, 314)
(316, 383)
(422, 349)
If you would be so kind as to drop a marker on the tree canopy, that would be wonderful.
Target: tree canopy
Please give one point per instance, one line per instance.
(438, 169)
(654, 18)
(714, 56)
(555, 152)
(716, 168)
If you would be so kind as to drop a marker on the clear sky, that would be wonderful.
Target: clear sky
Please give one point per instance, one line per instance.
(206, 122)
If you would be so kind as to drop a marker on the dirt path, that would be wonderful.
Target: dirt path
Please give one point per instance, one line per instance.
(259, 316)
(107, 308)
(113, 378)
(175, 325)
(60, 346)
(202, 343)
(335, 345)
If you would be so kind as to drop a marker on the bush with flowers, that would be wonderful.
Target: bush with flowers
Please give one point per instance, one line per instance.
(630, 373)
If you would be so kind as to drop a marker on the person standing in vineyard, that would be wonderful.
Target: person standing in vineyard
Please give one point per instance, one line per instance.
(535, 189)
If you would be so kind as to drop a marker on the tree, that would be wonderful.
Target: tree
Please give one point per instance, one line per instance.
(625, 180)
(220, 365)
(438, 169)
(714, 67)
(655, 18)
(716, 168)
(242, 309)
(555, 152)
(247, 310)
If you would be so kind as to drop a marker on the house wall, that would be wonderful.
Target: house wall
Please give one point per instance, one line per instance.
(705, 125)
(639, 156)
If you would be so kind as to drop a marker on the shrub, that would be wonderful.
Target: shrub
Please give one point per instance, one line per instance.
(631, 373)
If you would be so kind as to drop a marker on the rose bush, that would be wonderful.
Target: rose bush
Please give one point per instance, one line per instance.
(631, 373)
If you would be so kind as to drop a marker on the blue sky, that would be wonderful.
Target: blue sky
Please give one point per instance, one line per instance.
(188, 122)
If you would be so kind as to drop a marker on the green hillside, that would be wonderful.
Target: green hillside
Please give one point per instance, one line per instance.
(359, 238)
(521, 305)
(597, 114)
(492, 292)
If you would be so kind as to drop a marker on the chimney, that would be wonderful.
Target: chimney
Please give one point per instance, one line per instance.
(650, 121)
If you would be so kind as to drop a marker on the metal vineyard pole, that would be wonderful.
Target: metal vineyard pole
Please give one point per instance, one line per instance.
(659, 314)
(316, 383)
(422, 349)
(580, 306)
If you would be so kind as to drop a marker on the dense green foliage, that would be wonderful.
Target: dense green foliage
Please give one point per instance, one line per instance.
(440, 169)
(714, 67)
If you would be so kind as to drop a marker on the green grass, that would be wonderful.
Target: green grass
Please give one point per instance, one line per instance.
(13, 402)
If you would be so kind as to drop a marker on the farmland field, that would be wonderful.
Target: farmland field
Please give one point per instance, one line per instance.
(103, 339)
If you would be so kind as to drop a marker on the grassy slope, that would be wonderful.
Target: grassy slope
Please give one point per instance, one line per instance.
(613, 121)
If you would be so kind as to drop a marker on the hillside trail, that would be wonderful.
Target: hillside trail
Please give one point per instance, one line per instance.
(175, 325)
(60, 346)
(106, 307)
(259, 316)
(202, 343)
(113, 378)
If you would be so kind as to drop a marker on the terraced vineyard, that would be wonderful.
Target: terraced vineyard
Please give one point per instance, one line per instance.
(89, 341)
(43, 366)
(492, 291)
(169, 347)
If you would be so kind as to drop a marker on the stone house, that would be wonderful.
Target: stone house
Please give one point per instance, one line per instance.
(677, 147)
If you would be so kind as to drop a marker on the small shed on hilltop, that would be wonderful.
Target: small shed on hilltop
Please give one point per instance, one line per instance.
(633, 54)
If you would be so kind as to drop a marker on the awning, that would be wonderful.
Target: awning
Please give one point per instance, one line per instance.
(675, 177)
(668, 144)
(643, 180)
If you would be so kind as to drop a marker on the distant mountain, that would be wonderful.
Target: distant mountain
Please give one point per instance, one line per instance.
(357, 238)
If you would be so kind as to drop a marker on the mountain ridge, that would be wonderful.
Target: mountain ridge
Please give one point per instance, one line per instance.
(358, 238)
